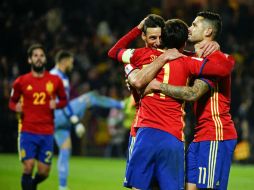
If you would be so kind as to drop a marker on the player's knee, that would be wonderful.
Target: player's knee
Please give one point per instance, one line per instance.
(44, 173)
(28, 166)
(43, 169)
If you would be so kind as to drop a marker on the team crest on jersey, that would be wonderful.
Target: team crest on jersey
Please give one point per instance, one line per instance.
(29, 87)
(49, 87)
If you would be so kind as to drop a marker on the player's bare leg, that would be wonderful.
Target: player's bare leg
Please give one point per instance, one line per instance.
(191, 186)
(28, 166)
(42, 173)
(27, 180)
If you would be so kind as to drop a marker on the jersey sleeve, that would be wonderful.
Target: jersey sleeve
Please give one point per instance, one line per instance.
(218, 64)
(132, 61)
(15, 94)
(123, 43)
(60, 92)
(209, 81)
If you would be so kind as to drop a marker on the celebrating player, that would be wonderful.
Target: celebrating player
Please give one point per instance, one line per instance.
(209, 155)
(148, 57)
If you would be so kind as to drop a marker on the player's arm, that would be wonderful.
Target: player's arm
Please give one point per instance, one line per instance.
(217, 64)
(119, 51)
(139, 78)
(14, 101)
(187, 93)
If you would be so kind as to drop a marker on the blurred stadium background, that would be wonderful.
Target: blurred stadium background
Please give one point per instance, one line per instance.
(89, 29)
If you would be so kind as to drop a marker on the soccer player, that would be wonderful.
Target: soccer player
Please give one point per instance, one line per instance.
(72, 113)
(210, 154)
(160, 118)
(34, 97)
(130, 56)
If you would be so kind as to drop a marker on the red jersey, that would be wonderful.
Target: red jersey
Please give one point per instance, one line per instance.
(142, 56)
(35, 94)
(212, 113)
(165, 113)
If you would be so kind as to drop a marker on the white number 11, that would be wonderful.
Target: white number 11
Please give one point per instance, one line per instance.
(202, 172)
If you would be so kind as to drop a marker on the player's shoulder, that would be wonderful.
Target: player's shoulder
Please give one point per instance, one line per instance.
(24, 77)
(52, 76)
(53, 71)
(186, 59)
(219, 54)
(140, 51)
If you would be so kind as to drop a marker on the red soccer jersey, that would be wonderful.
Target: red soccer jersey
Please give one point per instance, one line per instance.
(159, 111)
(35, 94)
(138, 58)
(142, 56)
(212, 113)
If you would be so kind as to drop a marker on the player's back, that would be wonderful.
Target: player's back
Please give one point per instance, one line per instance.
(163, 112)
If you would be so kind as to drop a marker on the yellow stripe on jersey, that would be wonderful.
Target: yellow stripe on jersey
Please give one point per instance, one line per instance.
(166, 69)
(216, 114)
(183, 120)
(127, 54)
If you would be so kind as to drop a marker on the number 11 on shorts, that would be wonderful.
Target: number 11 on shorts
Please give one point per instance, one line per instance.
(202, 175)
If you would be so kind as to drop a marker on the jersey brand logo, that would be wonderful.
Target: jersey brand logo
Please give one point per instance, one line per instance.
(29, 87)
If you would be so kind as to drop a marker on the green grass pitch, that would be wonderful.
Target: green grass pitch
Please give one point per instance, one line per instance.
(100, 174)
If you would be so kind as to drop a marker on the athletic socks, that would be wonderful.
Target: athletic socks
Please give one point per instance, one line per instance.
(38, 179)
(27, 182)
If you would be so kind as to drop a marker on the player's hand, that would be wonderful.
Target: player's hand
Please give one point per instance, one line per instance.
(172, 54)
(141, 24)
(128, 84)
(208, 47)
(19, 107)
(80, 130)
(52, 104)
(153, 86)
(74, 119)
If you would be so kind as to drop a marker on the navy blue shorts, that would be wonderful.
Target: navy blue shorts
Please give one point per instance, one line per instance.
(33, 146)
(156, 156)
(208, 163)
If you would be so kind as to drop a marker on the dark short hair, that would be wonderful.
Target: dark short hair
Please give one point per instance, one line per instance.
(33, 47)
(153, 21)
(62, 54)
(215, 20)
(174, 34)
